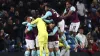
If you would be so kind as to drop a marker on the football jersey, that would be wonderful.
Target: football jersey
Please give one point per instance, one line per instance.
(55, 16)
(54, 37)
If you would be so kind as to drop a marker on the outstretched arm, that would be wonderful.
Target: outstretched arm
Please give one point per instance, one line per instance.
(54, 31)
(35, 21)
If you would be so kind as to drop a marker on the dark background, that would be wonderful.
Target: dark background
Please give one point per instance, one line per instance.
(72, 54)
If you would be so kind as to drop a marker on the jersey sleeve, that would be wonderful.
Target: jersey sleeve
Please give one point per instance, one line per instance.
(72, 8)
(29, 28)
(54, 31)
(48, 13)
(35, 21)
(64, 11)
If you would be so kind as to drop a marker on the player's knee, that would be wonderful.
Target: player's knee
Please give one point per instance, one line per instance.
(28, 49)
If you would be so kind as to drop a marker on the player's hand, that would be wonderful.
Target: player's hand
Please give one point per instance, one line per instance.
(82, 46)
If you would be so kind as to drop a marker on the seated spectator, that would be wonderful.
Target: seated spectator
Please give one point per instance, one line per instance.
(82, 38)
(96, 34)
(4, 41)
(73, 41)
(92, 44)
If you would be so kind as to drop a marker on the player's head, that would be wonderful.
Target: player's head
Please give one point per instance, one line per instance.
(68, 4)
(80, 1)
(47, 7)
(34, 13)
(51, 25)
(81, 31)
(42, 4)
(98, 12)
(28, 18)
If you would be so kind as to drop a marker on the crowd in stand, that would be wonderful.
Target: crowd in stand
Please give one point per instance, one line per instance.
(13, 12)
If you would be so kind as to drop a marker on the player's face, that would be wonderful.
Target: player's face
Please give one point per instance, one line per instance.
(67, 5)
(81, 31)
(2, 31)
(46, 8)
(98, 14)
(51, 26)
(96, 29)
(29, 19)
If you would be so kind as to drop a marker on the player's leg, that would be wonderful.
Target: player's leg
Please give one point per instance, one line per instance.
(41, 43)
(46, 44)
(51, 53)
(62, 35)
(56, 45)
(77, 26)
(61, 25)
(27, 52)
(67, 53)
(32, 46)
(63, 51)
(71, 27)
(37, 46)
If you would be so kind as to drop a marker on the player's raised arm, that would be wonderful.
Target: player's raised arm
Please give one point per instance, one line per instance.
(48, 14)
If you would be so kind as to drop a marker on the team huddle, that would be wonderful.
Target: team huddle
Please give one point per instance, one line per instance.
(43, 33)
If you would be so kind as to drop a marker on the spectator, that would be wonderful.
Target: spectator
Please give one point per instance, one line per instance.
(1, 41)
(4, 41)
(81, 11)
(20, 4)
(16, 31)
(5, 16)
(88, 23)
(96, 34)
(9, 28)
(82, 38)
(12, 12)
(98, 17)
(73, 41)
(92, 44)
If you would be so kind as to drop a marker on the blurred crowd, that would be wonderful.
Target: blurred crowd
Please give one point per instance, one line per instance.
(13, 12)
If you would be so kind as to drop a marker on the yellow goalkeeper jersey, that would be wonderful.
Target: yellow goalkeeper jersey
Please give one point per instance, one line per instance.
(41, 25)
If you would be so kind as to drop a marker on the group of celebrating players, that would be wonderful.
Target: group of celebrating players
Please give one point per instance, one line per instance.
(43, 33)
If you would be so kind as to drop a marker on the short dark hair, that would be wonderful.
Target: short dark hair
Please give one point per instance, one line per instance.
(69, 2)
(26, 17)
(41, 3)
(48, 5)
